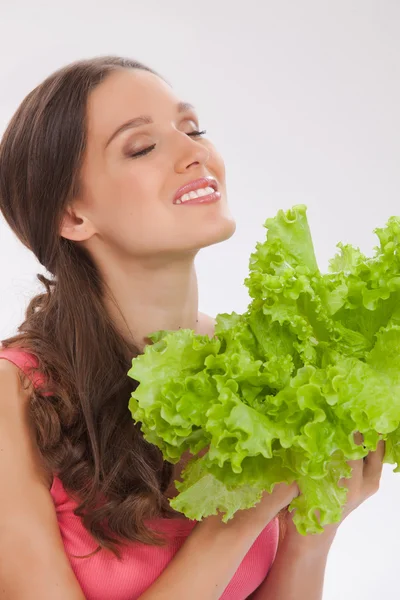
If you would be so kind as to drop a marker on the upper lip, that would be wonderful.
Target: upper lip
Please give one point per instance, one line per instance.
(195, 185)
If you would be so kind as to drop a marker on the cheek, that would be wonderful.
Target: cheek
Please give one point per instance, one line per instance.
(123, 202)
(218, 165)
(126, 196)
(133, 216)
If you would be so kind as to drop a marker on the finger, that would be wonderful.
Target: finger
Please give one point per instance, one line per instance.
(358, 438)
(374, 459)
(357, 465)
(373, 466)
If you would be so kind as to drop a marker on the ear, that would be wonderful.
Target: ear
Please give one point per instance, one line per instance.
(76, 228)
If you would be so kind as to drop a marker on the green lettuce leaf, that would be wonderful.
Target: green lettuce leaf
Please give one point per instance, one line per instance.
(278, 393)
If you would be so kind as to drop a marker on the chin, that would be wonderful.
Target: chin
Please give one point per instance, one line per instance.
(221, 230)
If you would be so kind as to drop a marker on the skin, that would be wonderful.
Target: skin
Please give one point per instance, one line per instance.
(143, 245)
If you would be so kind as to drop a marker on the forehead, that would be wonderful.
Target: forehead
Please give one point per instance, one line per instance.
(126, 94)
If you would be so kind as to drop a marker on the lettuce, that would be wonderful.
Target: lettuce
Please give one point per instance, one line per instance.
(277, 394)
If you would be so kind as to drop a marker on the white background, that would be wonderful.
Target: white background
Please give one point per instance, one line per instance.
(302, 98)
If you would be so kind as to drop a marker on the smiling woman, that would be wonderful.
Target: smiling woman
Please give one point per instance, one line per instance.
(91, 166)
(168, 152)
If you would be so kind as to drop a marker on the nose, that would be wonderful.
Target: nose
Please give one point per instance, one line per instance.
(191, 152)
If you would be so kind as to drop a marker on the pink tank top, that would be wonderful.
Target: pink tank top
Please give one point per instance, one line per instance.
(102, 576)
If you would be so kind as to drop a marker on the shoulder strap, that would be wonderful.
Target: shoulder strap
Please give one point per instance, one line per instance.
(25, 361)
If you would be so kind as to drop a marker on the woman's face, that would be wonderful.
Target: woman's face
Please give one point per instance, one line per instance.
(127, 202)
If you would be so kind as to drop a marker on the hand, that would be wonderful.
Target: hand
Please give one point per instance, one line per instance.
(256, 518)
(260, 514)
(363, 484)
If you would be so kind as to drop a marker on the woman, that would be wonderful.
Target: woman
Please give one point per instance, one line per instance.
(94, 168)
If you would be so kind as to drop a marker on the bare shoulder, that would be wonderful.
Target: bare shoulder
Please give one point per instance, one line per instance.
(13, 379)
(205, 325)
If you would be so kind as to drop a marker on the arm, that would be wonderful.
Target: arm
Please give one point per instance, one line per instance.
(299, 568)
(33, 562)
(297, 572)
(207, 561)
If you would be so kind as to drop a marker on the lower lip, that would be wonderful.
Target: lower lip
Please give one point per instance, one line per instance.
(214, 197)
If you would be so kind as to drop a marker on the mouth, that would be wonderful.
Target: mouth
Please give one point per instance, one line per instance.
(197, 190)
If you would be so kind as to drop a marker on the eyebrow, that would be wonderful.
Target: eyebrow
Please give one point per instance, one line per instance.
(146, 120)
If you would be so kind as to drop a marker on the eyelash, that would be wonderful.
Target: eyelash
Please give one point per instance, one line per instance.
(150, 148)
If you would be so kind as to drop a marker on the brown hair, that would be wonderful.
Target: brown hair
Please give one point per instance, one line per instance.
(84, 430)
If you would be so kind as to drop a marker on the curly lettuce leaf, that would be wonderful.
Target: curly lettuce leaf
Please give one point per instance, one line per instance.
(277, 394)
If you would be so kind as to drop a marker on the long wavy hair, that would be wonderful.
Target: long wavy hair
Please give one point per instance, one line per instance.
(83, 428)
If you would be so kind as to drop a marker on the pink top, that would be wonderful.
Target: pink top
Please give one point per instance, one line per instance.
(103, 576)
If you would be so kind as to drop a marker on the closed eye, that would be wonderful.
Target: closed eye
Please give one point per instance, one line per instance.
(198, 132)
(150, 148)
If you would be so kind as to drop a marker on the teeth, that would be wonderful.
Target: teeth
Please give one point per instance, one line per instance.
(200, 192)
(195, 194)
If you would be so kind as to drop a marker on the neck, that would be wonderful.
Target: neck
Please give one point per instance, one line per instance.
(142, 299)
